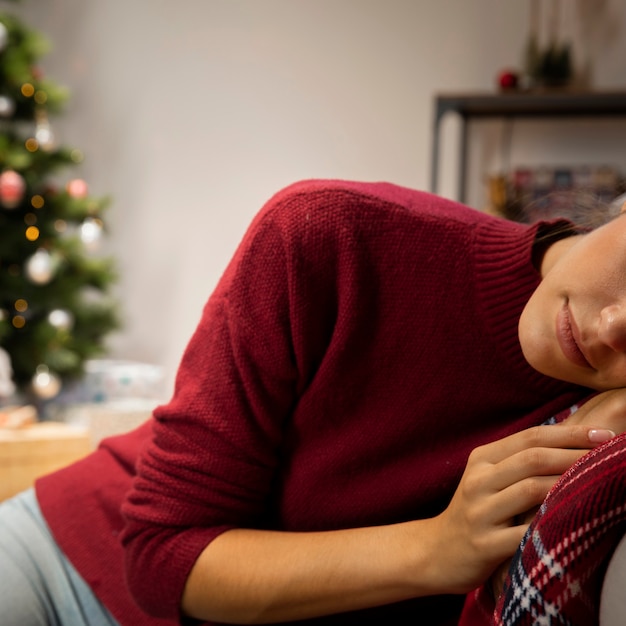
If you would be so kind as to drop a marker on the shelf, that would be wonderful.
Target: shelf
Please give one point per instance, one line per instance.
(533, 104)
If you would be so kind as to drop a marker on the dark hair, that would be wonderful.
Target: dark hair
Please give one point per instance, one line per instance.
(583, 211)
(586, 210)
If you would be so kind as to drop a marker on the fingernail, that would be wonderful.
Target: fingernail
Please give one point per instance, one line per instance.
(600, 435)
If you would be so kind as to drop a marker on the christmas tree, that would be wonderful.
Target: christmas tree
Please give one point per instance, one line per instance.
(55, 303)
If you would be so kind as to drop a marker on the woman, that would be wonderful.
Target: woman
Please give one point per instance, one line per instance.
(350, 435)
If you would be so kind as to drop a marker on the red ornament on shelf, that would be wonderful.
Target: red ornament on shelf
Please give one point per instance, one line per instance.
(12, 187)
(508, 80)
(77, 188)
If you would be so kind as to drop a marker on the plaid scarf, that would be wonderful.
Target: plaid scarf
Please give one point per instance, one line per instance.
(556, 575)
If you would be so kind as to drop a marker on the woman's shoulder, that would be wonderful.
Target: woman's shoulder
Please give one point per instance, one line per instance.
(331, 204)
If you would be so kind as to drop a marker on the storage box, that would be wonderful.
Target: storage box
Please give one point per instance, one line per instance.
(30, 452)
(109, 418)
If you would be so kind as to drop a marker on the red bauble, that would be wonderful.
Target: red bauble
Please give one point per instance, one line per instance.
(12, 187)
(77, 188)
(507, 80)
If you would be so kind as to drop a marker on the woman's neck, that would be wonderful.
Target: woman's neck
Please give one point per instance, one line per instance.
(554, 252)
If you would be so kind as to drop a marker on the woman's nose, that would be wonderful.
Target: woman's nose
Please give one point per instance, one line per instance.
(612, 329)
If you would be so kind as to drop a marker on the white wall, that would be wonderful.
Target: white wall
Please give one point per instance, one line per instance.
(191, 113)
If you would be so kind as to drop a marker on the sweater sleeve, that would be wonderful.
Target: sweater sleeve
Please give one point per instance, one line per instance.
(278, 377)
(217, 443)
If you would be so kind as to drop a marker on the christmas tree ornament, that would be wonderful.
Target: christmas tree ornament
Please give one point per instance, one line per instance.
(508, 80)
(12, 187)
(7, 387)
(45, 384)
(4, 36)
(43, 131)
(61, 319)
(40, 267)
(77, 188)
(91, 233)
(7, 106)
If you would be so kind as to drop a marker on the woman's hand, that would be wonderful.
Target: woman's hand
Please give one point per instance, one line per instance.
(606, 410)
(484, 524)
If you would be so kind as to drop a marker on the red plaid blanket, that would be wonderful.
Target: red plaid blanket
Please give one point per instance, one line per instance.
(556, 576)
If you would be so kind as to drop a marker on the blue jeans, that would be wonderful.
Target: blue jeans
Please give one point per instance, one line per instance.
(38, 585)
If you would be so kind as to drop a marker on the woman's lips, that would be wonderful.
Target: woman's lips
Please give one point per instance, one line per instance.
(566, 338)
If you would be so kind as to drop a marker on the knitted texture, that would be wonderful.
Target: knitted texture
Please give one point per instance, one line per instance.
(556, 576)
(362, 341)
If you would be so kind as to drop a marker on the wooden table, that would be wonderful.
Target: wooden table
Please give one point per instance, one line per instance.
(30, 452)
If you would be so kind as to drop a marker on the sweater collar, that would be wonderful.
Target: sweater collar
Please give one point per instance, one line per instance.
(507, 274)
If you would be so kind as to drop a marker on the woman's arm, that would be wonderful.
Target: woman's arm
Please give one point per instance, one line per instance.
(250, 576)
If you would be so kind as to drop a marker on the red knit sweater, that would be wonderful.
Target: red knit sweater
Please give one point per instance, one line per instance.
(360, 344)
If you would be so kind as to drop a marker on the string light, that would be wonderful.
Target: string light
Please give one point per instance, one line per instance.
(32, 145)
(45, 383)
(32, 233)
(21, 305)
(18, 321)
(37, 201)
(27, 90)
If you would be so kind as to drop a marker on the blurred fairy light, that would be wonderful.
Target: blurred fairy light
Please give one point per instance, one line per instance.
(45, 383)
(27, 90)
(32, 233)
(18, 321)
(37, 201)
(32, 145)
(21, 305)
